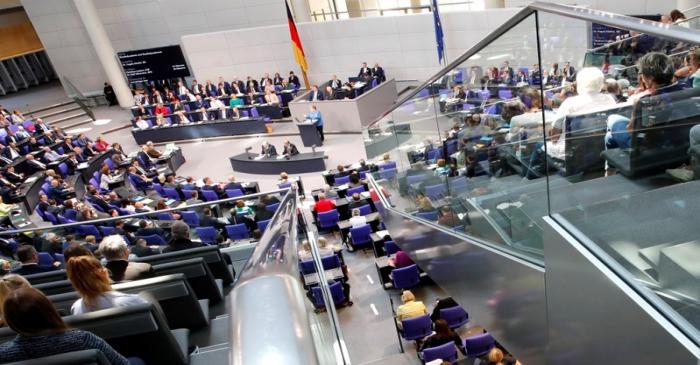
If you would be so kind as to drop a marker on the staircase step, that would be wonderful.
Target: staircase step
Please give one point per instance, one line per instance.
(77, 124)
(211, 356)
(51, 106)
(65, 118)
(60, 111)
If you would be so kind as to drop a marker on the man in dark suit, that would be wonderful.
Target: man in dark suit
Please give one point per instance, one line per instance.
(331, 93)
(114, 250)
(268, 149)
(315, 95)
(210, 185)
(95, 198)
(293, 79)
(364, 70)
(334, 83)
(146, 230)
(227, 86)
(261, 212)
(251, 85)
(58, 192)
(72, 163)
(12, 176)
(356, 201)
(29, 258)
(10, 137)
(206, 219)
(232, 184)
(378, 73)
(290, 149)
(141, 249)
(34, 165)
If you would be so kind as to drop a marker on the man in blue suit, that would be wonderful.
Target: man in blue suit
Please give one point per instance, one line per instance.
(315, 95)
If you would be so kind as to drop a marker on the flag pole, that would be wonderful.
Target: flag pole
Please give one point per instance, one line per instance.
(306, 79)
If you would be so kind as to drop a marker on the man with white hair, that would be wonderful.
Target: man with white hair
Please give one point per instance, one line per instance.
(115, 251)
(589, 84)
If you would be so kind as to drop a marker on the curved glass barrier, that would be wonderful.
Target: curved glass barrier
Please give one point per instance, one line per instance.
(536, 121)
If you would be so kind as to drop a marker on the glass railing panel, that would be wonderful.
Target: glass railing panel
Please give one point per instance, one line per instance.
(623, 164)
(472, 132)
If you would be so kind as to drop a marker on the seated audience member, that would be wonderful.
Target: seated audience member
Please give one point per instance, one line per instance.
(233, 184)
(194, 199)
(242, 209)
(329, 192)
(91, 243)
(378, 73)
(34, 165)
(234, 103)
(356, 201)
(271, 98)
(262, 213)
(8, 284)
(100, 144)
(290, 149)
(334, 83)
(141, 249)
(441, 169)
(424, 204)
(180, 239)
(496, 357)
(29, 258)
(114, 250)
(206, 219)
(323, 204)
(443, 334)
(314, 94)
(268, 199)
(341, 171)
(141, 123)
(146, 230)
(442, 304)
(400, 260)
(91, 280)
(410, 308)
(42, 332)
(210, 185)
(448, 218)
(268, 149)
(589, 83)
(354, 181)
(331, 94)
(294, 80)
(357, 220)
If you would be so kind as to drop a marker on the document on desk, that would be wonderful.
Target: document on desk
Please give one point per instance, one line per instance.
(281, 157)
(82, 165)
(147, 201)
(259, 157)
(31, 179)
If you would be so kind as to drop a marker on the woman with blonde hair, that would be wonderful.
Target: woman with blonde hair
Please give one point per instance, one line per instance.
(91, 280)
(410, 307)
(8, 284)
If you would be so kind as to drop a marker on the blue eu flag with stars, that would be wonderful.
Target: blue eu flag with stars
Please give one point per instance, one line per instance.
(438, 31)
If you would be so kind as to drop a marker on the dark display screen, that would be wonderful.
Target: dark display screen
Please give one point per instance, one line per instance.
(154, 64)
(603, 34)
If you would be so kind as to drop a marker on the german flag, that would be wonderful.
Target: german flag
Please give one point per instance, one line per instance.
(296, 41)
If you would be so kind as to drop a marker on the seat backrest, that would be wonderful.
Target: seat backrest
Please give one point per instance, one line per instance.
(272, 207)
(198, 275)
(405, 277)
(211, 255)
(454, 315)
(54, 287)
(365, 209)
(416, 327)
(84, 357)
(340, 180)
(46, 277)
(171, 193)
(431, 216)
(307, 267)
(191, 218)
(330, 262)
(358, 189)
(174, 294)
(328, 218)
(361, 234)
(154, 239)
(207, 234)
(262, 225)
(234, 193)
(210, 195)
(45, 259)
(445, 352)
(237, 231)
(479, 345)
(390, 247)
(134, 331)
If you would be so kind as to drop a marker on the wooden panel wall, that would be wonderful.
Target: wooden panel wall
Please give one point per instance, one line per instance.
(18, 39)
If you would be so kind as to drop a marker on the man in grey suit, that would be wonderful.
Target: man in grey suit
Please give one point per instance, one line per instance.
(115, 251)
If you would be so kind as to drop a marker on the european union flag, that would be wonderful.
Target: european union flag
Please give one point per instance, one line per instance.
(438, 31)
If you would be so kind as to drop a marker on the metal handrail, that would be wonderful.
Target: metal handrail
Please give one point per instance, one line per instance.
(341, 349)
(137, 215)
(268, 321)
(678, 34)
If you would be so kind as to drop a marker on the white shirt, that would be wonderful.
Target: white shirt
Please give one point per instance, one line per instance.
(357, 221)
(107, 300)
(141, 123)
(574, 105)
